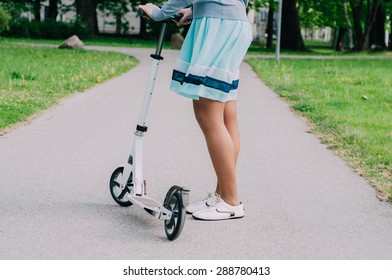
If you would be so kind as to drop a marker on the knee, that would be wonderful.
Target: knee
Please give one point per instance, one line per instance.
(208, 114)
(230, 113)
(204, 122)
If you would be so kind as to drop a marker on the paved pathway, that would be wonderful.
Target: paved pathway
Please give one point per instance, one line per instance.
(302, 201)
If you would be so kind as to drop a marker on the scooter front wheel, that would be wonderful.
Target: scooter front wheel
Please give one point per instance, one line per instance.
(174, 203)
(118, 194)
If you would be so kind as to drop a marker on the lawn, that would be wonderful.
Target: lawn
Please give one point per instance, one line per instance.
(32, 79)
(95, 41)
(315, 48)
(349, 105)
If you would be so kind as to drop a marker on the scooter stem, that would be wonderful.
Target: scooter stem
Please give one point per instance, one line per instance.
(161, 38)
(151, 81)
(141, 127)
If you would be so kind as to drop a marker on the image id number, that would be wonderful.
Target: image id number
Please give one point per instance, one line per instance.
(238, 270)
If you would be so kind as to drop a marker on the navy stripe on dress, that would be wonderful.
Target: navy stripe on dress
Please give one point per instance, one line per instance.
(206, 81)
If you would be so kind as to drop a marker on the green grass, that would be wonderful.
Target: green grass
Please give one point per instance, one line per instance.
(317, 50)
(32, 79)
(314, 48)
(349, 104)
(96, 41)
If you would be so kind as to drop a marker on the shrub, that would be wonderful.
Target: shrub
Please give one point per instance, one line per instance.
(47, 29)
(4, 19)
(22, 27)
(78, 27)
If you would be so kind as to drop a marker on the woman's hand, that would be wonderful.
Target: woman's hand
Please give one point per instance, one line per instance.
(186, 16)
(147, 8)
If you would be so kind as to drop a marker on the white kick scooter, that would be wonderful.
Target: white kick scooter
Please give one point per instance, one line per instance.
(127, 186)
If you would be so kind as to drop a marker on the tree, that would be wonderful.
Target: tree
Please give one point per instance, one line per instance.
(118, 8)
(326, 14)
(349, 25)
(37, 9)
(377, 33)
(87, 10)
(320, 13)
(4, 18)
(291, 30)
(271, 5)
(15, 7)
(143, 21)
(53, 9)
(366, 10)
(363, 20)
(270, 23)
(387, 7)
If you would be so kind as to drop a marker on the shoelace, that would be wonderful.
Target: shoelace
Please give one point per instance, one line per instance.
(212, 199)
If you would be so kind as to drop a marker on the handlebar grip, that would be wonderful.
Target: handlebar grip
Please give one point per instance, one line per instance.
(176, 17)
(141, 13)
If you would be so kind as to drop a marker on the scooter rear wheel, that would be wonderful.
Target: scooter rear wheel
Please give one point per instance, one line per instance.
(174, 203)
(117, 193)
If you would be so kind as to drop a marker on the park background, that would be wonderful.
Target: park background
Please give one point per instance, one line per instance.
(335, 70)
(344, 25)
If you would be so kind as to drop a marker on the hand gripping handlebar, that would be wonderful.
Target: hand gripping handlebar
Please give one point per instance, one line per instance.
(175, 17)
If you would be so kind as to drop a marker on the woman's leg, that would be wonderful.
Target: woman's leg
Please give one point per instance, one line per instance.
(215, 119)
(231, 123)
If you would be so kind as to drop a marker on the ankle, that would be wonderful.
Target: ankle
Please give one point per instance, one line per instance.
(232, 202)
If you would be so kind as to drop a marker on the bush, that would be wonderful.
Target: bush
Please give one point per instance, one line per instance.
(22, 27)
(47, 29)
(4, 19)
(78, 27)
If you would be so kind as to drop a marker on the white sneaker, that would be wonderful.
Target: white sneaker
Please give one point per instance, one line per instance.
(211, 199)
(220, 211)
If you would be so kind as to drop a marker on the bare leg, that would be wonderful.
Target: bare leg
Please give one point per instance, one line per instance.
(231, 123)
(222, 148)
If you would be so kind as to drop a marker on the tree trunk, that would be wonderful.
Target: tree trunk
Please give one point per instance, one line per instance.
(118, 17)
(390, 34)
(339, 41)
(291, 30)
(349, 26)
(363, 35)
(37, 10)
(357, 14)
(53, 9)
(270, 26)
(377, 33)
(371, 18)
(87, 10)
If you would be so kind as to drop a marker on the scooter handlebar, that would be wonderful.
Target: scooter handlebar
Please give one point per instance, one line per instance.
(175, 17)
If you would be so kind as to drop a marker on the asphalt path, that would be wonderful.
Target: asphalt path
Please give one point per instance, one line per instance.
(301, 200)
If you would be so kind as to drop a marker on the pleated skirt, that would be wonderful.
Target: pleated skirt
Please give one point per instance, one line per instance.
(209, 60)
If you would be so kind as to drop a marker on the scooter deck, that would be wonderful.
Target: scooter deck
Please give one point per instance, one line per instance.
(146, 202)
(151, 206)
